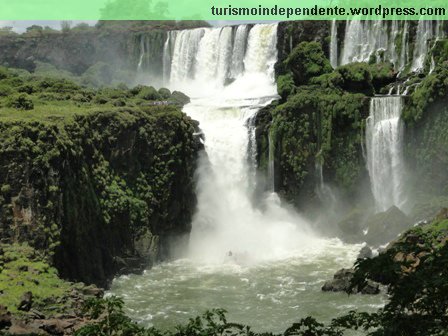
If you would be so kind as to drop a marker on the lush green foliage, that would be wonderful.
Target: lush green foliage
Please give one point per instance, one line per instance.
(25, 269)
(81, 166)
(433, 87)
(318, 125)
(307, 60)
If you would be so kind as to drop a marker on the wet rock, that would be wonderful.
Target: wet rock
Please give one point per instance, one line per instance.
(365, 253)
(371, 288)
(342, 280)
(385, 226)
(93, 291)
(56, 326)
(22, 328)
(26, 302)
(36, 314)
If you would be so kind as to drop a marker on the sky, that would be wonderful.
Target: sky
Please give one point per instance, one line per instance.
(20, 26)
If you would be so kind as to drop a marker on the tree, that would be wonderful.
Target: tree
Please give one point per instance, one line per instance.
(66, 26)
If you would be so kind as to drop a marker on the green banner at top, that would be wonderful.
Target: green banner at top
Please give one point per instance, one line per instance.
(223, 9)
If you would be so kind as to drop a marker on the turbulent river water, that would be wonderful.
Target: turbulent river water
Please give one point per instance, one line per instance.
(277, 264)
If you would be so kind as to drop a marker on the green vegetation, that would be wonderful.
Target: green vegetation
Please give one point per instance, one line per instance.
(24, 269)
(98, 166)
(319, 122)
(307, 60)
(56, 96)
(432, 88)
(426, 117)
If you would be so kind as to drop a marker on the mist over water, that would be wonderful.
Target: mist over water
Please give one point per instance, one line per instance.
(277, 264)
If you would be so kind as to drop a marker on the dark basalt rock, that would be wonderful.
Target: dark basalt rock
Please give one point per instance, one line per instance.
(341, 283)
(26, 302)
(5, 317)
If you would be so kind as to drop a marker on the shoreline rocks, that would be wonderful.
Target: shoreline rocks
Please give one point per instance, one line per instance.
(341, 282)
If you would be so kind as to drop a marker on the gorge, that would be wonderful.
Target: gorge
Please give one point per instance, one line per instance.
(299, 142)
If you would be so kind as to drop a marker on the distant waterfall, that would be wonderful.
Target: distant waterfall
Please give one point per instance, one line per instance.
(364, 39)
(424, 35)
(427, 33)
(384, 142)
(404, 52)
(334, 45)
(385, 41)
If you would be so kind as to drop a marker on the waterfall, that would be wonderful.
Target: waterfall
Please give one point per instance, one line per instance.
(202, 62)
(186, 45)
(385, 41)
(271, 168)
(385, 163)
(334, 45)
(324, 192)
(363, 39)
(142, 54)
(239, 51)
(421, 47)
(167, 57)
(404, 52)
(252, 148)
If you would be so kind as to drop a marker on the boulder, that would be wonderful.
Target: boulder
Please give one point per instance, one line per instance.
(365, 253)
(5, 317)
(352, 226)
(93, 291)
(341, 283)
(56, 326)
(385, 226)
(26, 302)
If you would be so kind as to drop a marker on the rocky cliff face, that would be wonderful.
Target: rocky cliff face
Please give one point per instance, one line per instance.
(317, 129)
(99, 192)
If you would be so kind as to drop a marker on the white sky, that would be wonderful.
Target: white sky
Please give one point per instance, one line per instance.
(20, 26)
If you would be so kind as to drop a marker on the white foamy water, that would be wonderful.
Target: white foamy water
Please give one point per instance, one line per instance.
(385, 162)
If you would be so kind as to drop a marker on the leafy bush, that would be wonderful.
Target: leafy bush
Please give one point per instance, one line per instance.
(356, 77)
(149, 93)
(165, 93)
(307, 60)
(21, 102)
(285, 85)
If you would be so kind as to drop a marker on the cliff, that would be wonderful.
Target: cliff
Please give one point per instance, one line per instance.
(317, 128)
(99, 189)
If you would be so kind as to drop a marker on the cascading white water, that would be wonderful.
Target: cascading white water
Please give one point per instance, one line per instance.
(384, 140)
(271, 167)
(226, 218)
(364, 39)
(167, 58)
(334, 45)
(239, 51)
(142, 54)
(323, 190)
(421, 47)
(404, 53)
